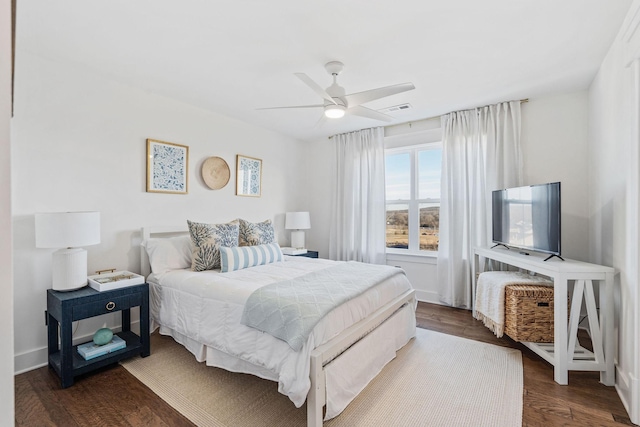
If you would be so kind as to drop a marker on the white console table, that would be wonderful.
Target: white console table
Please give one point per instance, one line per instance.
(565, 354)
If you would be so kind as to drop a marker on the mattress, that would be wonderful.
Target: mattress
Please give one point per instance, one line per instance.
(202, 310)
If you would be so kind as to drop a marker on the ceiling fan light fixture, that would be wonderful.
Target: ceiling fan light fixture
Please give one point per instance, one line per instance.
(334, 111)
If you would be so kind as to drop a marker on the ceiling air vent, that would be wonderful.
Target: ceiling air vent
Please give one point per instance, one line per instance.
(395, 108)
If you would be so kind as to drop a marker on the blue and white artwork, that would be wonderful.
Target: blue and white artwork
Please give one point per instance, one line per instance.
(249, 176)
(167, 167)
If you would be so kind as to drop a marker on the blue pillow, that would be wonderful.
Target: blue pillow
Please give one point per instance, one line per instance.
(239, 257)
(207, 239)
(259, 233)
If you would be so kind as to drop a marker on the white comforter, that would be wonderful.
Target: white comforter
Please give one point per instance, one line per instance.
(206, 307)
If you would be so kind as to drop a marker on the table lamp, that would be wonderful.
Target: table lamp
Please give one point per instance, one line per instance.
(297, 221)
(67, 231)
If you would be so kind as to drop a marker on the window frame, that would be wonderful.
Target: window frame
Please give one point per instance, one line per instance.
(414, 202)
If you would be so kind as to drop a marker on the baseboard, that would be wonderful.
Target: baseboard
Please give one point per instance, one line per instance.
(628, 388)
(634, 410)
(37, 358)
(30, 360)
(428, 296)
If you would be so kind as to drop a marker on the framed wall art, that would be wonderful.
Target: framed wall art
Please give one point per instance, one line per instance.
(167, 167)
(248, 176)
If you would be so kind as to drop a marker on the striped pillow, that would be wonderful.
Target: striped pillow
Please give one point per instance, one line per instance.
(239, 257)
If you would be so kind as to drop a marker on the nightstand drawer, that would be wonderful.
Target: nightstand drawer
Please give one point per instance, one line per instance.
(104, 306)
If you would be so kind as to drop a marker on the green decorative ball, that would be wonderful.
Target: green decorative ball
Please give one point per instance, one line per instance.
(103, 336)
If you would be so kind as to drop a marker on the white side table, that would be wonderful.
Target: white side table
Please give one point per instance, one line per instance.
(565, 354)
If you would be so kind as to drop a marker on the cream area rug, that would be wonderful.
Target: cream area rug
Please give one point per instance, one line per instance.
(435, 380)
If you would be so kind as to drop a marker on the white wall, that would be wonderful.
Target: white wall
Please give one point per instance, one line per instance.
(79, 144)
(319, 167)
(554, 148)
(7, 408)
(614, 123)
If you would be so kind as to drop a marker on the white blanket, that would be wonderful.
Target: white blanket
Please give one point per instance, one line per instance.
(490, 294)
(206, 308)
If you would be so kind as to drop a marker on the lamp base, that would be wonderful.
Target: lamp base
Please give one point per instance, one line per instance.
(297, 239)
(69, 268)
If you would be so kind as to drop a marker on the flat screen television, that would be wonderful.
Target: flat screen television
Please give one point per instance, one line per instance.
(528, 218)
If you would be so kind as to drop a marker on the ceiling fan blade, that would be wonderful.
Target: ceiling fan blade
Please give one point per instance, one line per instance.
(373, 94)
(359, 110)
(321, 121)
(293, 106)
(315, 86)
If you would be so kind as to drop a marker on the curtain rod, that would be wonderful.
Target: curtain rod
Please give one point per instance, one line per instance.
(522, 101)
(410, 122)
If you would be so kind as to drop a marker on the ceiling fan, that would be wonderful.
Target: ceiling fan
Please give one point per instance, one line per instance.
(337, 103)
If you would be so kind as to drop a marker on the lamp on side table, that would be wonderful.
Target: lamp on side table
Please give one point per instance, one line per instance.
(297, 221)
(69, 231)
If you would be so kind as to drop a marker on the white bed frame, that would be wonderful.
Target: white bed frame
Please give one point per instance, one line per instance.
(323, 355)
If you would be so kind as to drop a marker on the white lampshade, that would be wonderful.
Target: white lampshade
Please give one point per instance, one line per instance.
(68, 231)
(297, 221)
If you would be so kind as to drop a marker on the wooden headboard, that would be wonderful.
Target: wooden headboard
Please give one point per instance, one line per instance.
(157, 232)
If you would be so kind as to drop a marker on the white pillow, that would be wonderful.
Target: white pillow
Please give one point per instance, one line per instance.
(173, 253)
(239, 257)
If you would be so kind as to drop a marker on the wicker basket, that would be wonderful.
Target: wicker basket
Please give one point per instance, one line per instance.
(529, 313)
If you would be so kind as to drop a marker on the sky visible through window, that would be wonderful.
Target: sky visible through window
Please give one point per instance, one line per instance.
(398, 175)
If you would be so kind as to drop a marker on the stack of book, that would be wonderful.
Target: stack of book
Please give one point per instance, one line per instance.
(91, 350)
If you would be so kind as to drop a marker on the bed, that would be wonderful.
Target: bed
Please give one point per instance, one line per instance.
(342, 354)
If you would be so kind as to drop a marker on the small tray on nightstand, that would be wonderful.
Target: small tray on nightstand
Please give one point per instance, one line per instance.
(292, 251)
(309, 254)
(114, 280)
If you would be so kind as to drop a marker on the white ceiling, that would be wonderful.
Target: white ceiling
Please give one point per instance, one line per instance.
(235, 56)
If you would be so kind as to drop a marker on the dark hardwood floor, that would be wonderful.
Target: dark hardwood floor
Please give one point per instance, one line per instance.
(113, 397)
(584, 402)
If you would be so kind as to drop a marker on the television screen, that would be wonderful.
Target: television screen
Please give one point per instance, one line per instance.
(528, 217)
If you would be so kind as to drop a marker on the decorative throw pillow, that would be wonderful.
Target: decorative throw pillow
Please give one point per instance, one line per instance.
(207, 239)
(256, 233)
(240, 257)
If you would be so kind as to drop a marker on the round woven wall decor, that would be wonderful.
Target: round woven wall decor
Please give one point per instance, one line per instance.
(215, 172)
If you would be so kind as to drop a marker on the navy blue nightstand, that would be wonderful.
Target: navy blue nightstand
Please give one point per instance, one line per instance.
(309, 254)
(66, 307)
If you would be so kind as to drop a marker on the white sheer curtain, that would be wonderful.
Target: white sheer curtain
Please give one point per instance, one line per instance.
(481, 153)
(358, 220)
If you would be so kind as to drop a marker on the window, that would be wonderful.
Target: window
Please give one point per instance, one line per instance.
(413, 198)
